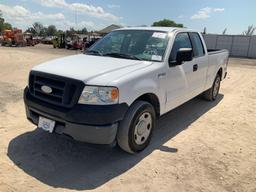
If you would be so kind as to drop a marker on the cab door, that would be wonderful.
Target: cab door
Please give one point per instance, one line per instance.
(180, 79)
(200, 60)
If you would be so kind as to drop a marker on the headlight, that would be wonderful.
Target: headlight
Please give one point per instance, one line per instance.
(94, 95)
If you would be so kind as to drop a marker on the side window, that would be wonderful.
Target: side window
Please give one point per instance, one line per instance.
(197, 45)
(181, 41)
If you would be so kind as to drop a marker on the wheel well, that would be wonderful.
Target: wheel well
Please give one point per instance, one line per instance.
(153, 100)
(220, 72)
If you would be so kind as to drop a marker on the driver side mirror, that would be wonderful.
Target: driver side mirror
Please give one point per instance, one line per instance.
(183, 54)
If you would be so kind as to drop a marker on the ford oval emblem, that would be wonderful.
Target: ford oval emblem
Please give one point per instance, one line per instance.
(46, 89)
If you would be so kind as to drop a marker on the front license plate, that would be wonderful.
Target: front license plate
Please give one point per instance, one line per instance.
(46, 124)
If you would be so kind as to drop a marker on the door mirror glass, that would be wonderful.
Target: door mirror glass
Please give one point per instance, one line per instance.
(183, 54)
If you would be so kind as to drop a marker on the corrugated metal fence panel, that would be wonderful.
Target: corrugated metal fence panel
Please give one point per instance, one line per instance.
(252, 49)
(240, 46)
(210, 41)
(224, 42)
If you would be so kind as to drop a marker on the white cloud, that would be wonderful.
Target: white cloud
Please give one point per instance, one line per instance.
(54, 3)
(218, 9)
(66, 24)
(21, 14)
(204, 13)
(83, 8)
(23, 18)
(181, 16)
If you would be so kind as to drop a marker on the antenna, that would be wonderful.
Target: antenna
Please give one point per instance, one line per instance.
(76, 27)
(76, 17)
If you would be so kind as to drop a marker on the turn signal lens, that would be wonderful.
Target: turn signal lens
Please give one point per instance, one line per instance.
(114, 93)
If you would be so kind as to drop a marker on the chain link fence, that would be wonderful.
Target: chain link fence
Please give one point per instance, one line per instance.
(238, 45)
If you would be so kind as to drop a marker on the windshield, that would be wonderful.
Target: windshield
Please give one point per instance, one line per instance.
(132, 44)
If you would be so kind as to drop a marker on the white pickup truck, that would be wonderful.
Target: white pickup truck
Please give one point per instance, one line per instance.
(121, 84)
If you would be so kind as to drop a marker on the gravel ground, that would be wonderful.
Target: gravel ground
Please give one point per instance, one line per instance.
(200, 146)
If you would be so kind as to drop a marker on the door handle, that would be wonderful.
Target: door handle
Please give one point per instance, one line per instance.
(195, 67)
(161, 75)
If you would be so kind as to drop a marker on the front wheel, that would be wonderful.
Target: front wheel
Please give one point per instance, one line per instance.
(212, 93)
(135, 130)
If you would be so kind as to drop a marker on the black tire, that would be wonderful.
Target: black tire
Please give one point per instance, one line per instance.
(212, 93)
(126, 136)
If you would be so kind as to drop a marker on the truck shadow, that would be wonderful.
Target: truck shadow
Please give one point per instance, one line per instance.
(64, 163)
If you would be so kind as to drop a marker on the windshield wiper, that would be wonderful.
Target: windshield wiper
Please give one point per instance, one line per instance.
(93, 52)
(122, 55)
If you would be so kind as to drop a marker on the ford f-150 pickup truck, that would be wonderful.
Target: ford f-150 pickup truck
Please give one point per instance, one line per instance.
(117, 89)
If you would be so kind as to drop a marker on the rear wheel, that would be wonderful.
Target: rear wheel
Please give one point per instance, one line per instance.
(135, 131)
(212, 93)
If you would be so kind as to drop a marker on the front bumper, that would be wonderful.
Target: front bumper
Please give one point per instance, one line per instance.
(86, 123)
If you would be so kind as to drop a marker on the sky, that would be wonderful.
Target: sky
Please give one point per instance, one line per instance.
(215, 15)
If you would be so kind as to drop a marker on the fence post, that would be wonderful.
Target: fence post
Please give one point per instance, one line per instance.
(232, 44)
(216, 41)
(249, 46)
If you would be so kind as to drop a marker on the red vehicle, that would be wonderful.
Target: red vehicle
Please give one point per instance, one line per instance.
(74, 42)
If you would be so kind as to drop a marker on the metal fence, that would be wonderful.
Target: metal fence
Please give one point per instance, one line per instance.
(238, 45)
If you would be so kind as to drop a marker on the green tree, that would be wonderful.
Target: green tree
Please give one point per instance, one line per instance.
(3, 24)
(1, 18)
(38, 28)
(7, 26)
(70, 32)
(83, 31)
(166, 23)
(51, 30)
(31, 30)
(59, 32)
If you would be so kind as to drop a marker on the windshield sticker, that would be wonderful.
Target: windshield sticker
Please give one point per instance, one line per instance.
(159, 35)
(156, 57)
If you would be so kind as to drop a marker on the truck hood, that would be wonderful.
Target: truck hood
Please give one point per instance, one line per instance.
(88, 67)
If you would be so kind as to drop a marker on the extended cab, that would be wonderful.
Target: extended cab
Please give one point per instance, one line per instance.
(121, 84)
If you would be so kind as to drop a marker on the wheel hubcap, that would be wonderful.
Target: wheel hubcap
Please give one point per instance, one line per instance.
(143, 128)
(216, 87)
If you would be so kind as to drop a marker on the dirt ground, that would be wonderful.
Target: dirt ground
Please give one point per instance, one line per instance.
(200, 146)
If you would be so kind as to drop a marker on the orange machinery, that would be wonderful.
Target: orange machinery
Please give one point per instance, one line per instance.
(13, 38)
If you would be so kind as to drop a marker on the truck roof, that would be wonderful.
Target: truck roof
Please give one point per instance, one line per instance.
(164, 29)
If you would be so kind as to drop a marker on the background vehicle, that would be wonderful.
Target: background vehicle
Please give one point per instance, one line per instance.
(29, 39)
(60, 41)
(74, 42)
(88, 44)
(13, 37)
(1, 39)
(122, 84)
(47, 40)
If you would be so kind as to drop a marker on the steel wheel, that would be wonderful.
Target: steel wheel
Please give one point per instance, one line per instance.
(136, 129)
(212, 93)
(216, 87)
(143, 128)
